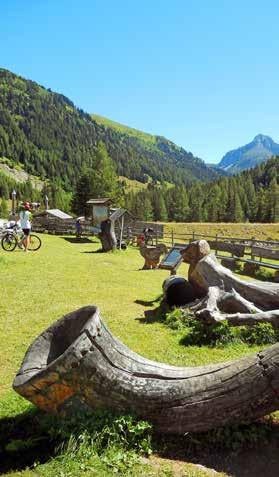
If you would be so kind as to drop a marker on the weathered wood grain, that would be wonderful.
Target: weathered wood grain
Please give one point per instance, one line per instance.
(77, 362)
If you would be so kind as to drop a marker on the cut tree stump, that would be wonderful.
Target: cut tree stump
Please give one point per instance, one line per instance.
(76, 363)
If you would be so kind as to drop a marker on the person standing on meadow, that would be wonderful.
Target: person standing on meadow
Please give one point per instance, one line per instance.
(25, 223)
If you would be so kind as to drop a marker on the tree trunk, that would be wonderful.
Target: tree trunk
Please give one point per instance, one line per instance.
(107, 236)
(77, 362)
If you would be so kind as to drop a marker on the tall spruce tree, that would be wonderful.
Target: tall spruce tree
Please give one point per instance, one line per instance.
(273, 201)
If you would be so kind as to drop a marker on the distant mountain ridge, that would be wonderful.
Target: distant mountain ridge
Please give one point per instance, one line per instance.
(49, 137)
(246, 157)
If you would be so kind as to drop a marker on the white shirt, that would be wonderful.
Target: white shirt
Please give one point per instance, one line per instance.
(24, 217)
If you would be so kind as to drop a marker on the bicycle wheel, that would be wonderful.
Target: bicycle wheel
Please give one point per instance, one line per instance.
(9, 242)
(34, 243)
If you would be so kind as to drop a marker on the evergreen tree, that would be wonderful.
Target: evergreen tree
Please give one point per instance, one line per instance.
(273, 201)
(238, 211)
(4, 209)
(104, 181)
(82, 193)
(196, 204)
(159, 206)
(251, 199)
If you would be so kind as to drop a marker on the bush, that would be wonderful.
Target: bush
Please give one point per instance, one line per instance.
(199, 333)
(261, 333)
(104, 430)
(264, 274)
(88, 441)
(202, 334)
(175, 319)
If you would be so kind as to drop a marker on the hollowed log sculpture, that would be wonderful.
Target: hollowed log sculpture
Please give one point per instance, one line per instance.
(78, 363)
(224, 296)
(152, 254)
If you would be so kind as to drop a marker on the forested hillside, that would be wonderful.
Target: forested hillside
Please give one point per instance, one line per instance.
(44, 134)
(252, 195)
(49, 137)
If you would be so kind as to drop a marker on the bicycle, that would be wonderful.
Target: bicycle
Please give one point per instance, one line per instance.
(14, 237)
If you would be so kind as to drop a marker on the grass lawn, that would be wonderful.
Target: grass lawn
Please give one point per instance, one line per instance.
(38, 288)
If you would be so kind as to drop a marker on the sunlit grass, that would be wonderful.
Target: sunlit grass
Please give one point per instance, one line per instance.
(40, 287)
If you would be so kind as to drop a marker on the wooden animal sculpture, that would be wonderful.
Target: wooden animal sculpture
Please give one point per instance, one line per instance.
(152, 254)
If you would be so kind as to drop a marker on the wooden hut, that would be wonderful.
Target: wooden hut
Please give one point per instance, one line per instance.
(99, 210)
(53, 220)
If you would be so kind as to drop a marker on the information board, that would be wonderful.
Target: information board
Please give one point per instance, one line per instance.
(173, 259)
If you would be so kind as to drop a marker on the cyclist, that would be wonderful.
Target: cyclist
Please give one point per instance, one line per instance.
(25, 223)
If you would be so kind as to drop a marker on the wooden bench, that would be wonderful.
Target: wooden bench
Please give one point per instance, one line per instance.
(252, 265)
(236, 250)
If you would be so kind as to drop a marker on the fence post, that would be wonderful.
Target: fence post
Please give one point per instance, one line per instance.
(216, 249)
(172, 240)
(252, 243)
(156, 237)
(193, 236)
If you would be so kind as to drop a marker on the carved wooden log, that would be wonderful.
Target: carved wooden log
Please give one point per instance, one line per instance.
(107, 236)
(152, 254)
(205, 272)
(77, 362)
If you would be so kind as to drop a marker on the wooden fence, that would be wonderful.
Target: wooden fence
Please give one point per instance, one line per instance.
(216, 241)
(68, 227)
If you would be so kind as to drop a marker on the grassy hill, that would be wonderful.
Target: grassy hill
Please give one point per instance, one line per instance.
(140, 135)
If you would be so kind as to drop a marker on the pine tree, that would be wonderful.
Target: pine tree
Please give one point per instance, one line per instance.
(251, 199)
(159, 206)
(263, 212)
(104, 181)
(82, 193)
(273, 201)
(238, 211)
(4, 209)
(196, 204)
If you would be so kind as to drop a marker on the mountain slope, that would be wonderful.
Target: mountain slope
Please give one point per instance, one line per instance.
(49, 137)
(248, 156)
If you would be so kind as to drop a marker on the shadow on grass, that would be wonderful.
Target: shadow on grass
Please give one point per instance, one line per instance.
(239, 451)
(78, 240)
(32, 438)
(149, 302)
(94, 251)
(24, 442)
(154, 315)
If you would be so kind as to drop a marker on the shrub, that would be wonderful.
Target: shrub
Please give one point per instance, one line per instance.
(261, 333)
(175, 319)
(264, 274)
(201, 334)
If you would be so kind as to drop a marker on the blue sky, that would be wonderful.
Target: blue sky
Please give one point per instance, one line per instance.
(203, 73)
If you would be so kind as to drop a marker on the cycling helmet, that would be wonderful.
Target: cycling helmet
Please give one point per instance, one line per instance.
(26, 206)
